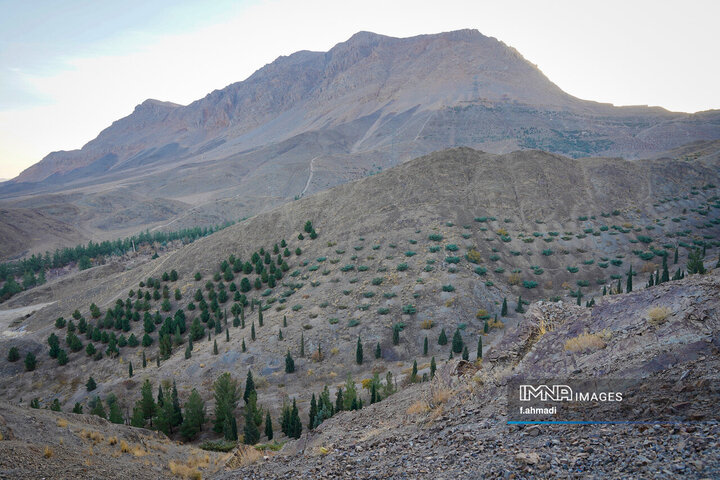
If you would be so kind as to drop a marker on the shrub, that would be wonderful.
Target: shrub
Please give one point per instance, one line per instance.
(435, 237)
(572, 269)
(402, 267)
(451, 247)
(409, 309)
(448, 288)
(410, 253)
(481, 271)
(658, 315)
(383, 311)
(529, 284)
(377, 281)
(452, 259)
(353, 322)
(588, 342)
(547, 252)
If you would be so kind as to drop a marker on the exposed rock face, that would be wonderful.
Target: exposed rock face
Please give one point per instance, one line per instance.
(313, 120)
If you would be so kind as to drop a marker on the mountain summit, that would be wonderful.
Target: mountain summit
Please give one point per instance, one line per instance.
(312, 120)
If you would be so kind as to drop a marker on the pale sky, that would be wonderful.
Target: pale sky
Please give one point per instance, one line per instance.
(69, 68)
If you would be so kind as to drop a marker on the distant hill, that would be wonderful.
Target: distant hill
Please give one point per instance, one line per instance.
(312, 120)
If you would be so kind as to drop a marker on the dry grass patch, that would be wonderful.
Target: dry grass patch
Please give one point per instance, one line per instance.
(441, 395)
(658, 315)
(244, 455)
(112, 441)
(124, 447)
(588, 342)
(420, 406)
(62, 423)
(48, 452)
(181, 470)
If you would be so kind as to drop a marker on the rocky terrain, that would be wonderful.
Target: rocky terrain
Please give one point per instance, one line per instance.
(456, 425)
(313, 120)
(433, 245)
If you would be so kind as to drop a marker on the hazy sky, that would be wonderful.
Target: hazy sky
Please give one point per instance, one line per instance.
(70, 68)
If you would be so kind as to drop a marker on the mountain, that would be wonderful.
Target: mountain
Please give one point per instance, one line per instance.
(430, 246)
(313, 120)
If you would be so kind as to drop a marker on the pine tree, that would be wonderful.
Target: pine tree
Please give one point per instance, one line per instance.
(479, 348)
(147, 402)
(396, 336)
(252, 331)
(13, 354)
(226, 398)
(55, 405)
(503, 310)
(313, 412)
(486, 327)
(144, 360)
(97, 408)
(339, 403)
(425, 346)
(442, 340)
(295, 425)
(164, 418)
(137, 419)
(378, 351)
(302, 344)
(619, 286)
(244, 348)
(457, 343)
(91, 385)
(260, 316)
(30, 362)
(268, 426)
(116, 415)
(284, 321)
(289, 363)
(280, 336)
(579, 295)
(519, 308)
(695, 262)
(160, 397)
(215, 348)
(227, 334)
(465, 353)
(628, 287)
(359, 352)
(249, 386)
(433, 367)
(78, 408)
(676, 256)
(413, 375)
(130, 369)
(194, 417)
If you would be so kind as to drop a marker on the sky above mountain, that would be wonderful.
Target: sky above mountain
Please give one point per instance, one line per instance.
(68, 69)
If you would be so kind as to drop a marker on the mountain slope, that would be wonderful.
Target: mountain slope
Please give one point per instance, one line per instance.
(314, 120)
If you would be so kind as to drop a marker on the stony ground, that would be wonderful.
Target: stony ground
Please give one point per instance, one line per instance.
(455, 427)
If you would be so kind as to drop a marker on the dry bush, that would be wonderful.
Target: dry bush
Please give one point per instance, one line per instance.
(496, 323)
(48, 452)
(474, 256)
(588, 342)
(317, 356)
(450, 302)
(138, 451)
(334, 351)
(565, 285)
(124, 447)
(198, 459)
(420, 406)
(112, 440)
(184, 471)
(426, 324)
(62, 423)
(482, 313)
(658, 315)
(648, 267)
(514, 279)
(244, 455)
(502, 231)
(441, 395)
(548, 285)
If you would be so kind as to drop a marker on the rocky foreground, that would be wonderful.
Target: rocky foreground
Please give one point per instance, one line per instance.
(455, 426)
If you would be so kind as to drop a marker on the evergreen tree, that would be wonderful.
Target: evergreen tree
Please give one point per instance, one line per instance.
(91, 385)
(433, 367)
(519, 308)
(284, 321)
(137, 419)
(160, 397)
(457, 343)
(628, 287)
(54, 344)
(313, 412)
(295, 428)
(226, 398)
(164, 417)
(215, 349)
(249, 386)
(503, 310)
(413, 375)
(62, 357)
(479, 347)
(396, 336)
(147, 402)
(289, 363)
(130, 369)
(442, 340)
(227, 334)
(359, 352)
(194, 417)
(302, 344)
(695, 262)
(268, 426)
(378, 351)
(339, 402)
(78, 408)
(280, 336)
(676, 256)
(244, 348)
(177, 417)
(619, 286)
(30, 362)
(116, 415)
(13, 354)
(350, 394)
(252, 331)
(55, 405)
(96, 408)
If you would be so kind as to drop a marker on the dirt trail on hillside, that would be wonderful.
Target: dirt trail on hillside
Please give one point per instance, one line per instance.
(13, 318)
